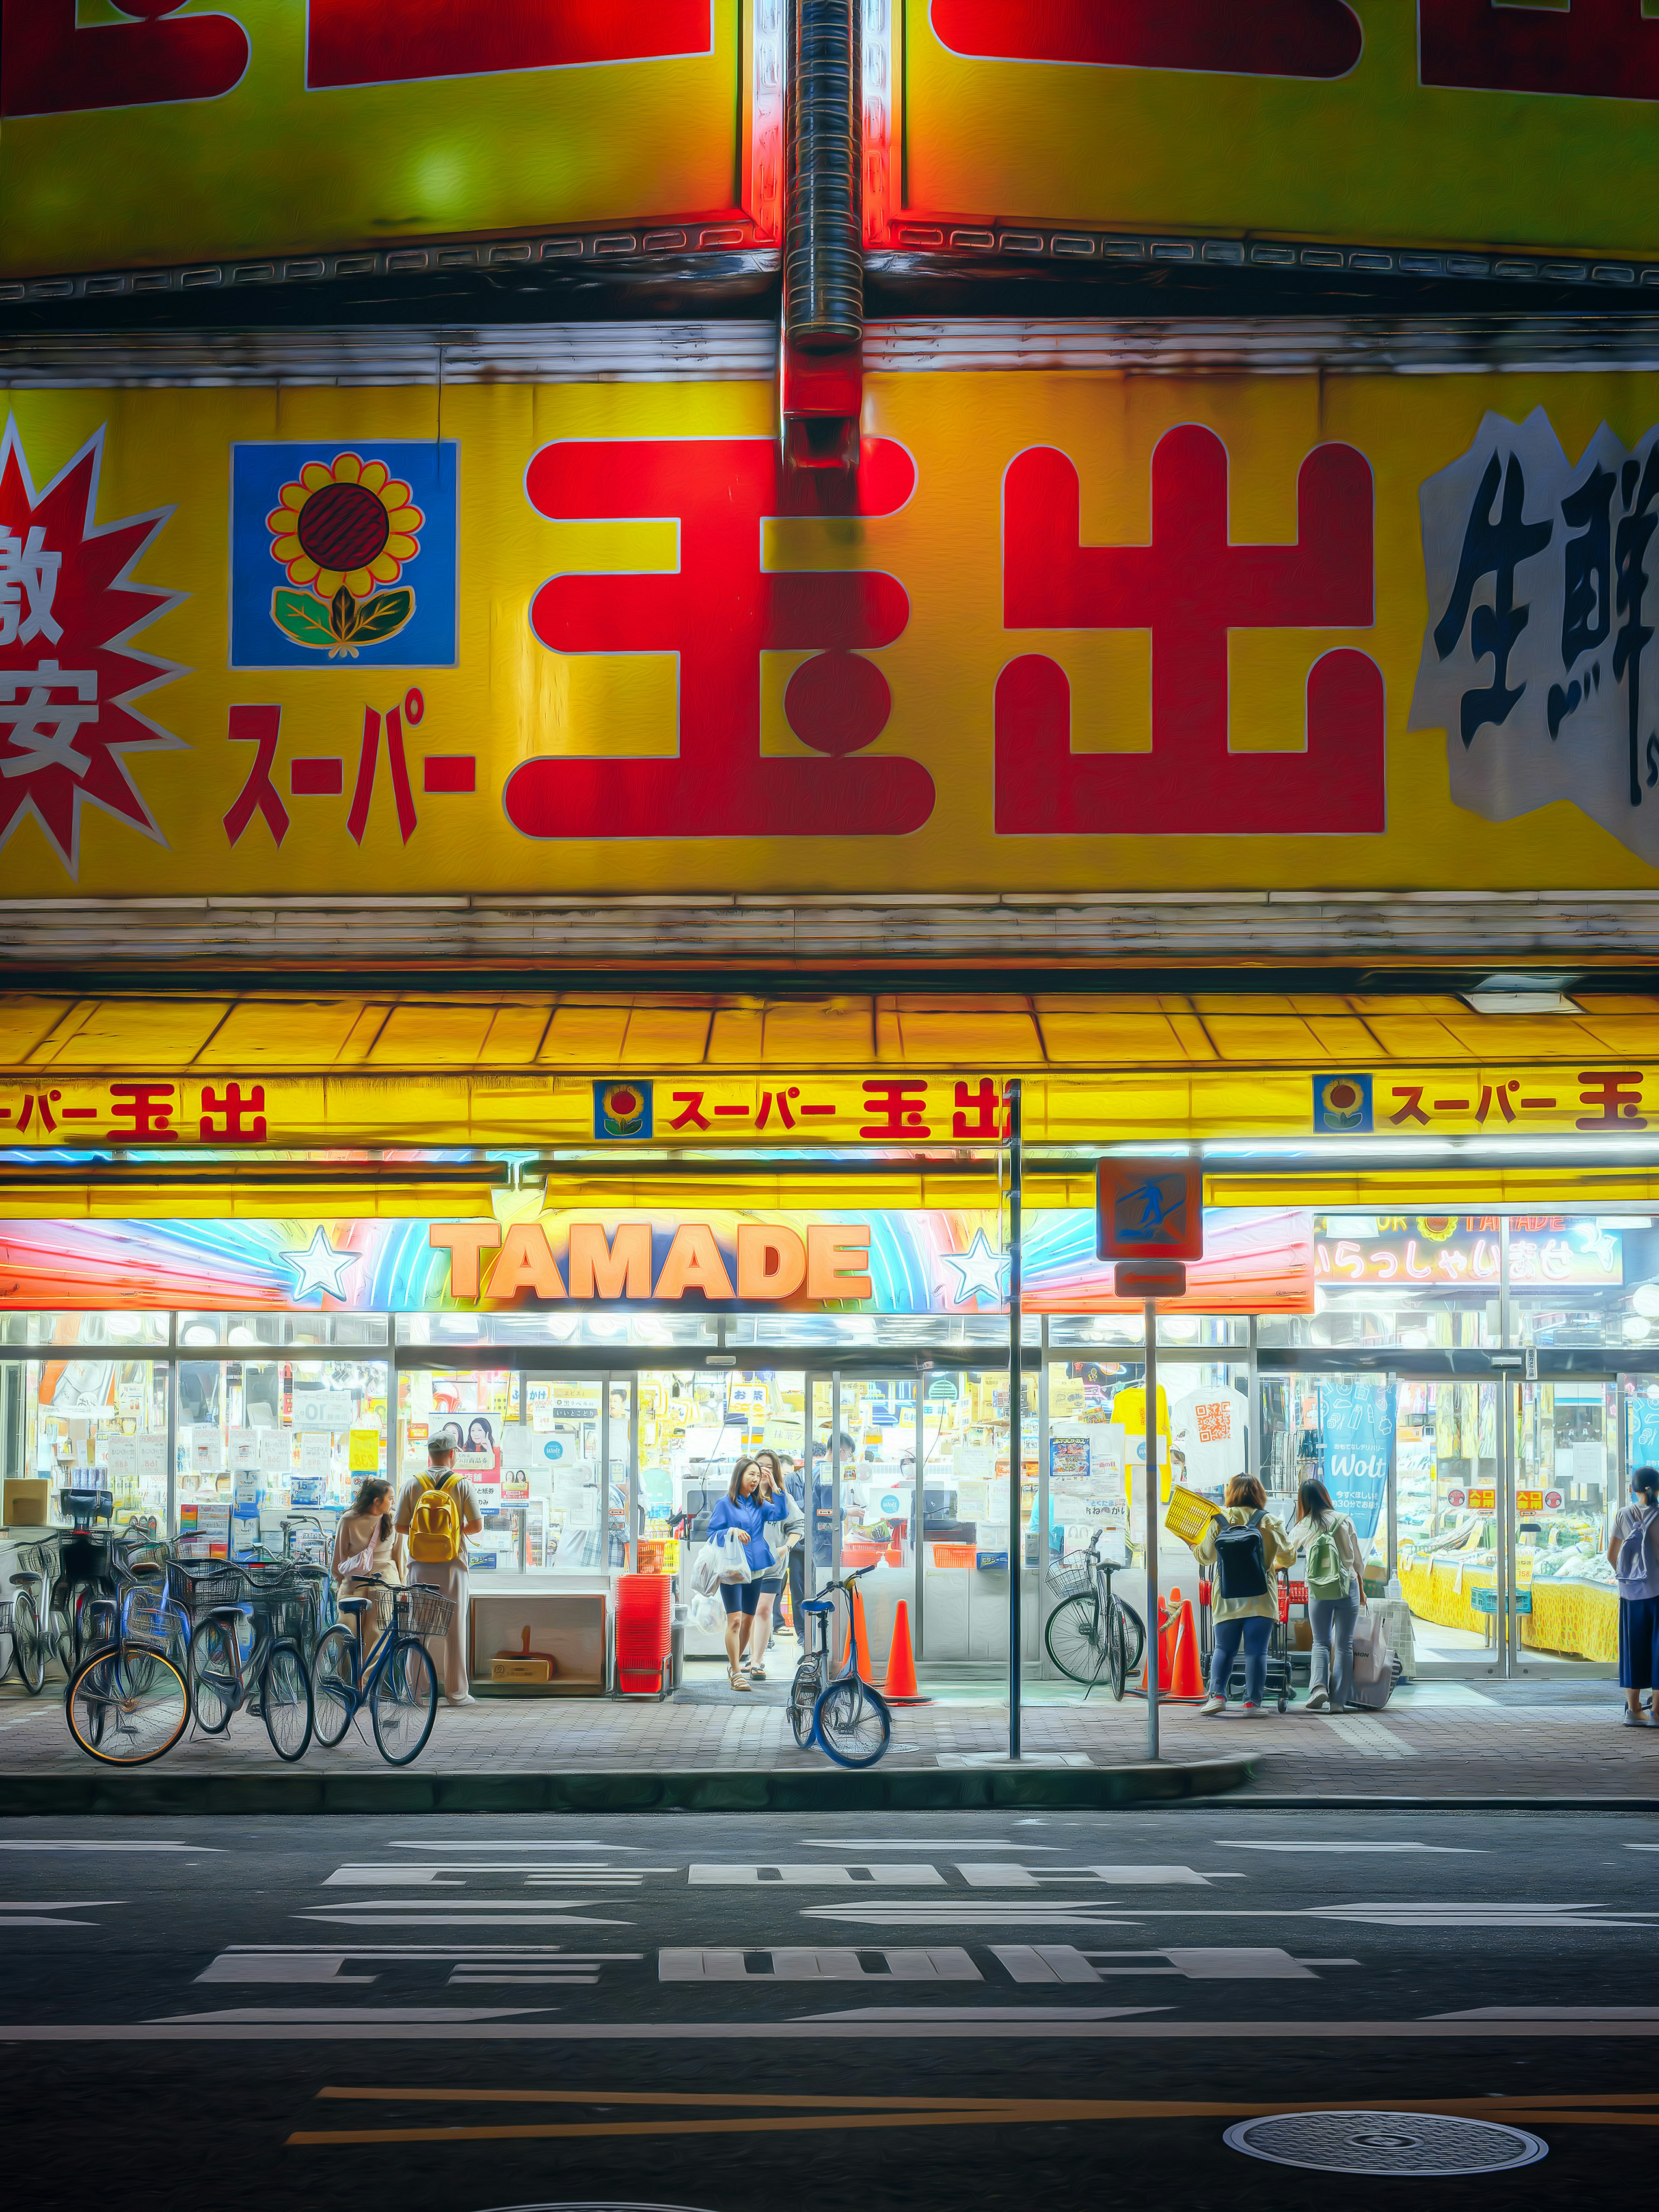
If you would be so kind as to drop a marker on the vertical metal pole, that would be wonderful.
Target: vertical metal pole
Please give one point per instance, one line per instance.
(919, 1524)
(1505, 1500)
(172, 1527)
(1016, 1396)
(1044, 1506)
(1255, 1458)
(1150, 1384)
(605, 1478)
(835, 1473)
(1391, 1383)
(632, 1554)
(809, 1581)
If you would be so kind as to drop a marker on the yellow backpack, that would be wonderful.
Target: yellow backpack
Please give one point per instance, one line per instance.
(434, 1527)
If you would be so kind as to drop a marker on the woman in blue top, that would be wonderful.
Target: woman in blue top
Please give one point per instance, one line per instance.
(743, 1508)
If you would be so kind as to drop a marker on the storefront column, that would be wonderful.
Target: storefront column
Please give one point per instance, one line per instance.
(1042, 1503)
(834, 1477)
(1254, 1456)
(1392, 1496)
(1015, 1409)
(1504, 1578)
(172, 1528)
(631, 1555)
(919, 1523)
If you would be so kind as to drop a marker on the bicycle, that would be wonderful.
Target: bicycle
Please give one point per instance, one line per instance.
(845, 1717)
(397, 1681)
(1091, 1631)
(129, 1703)
(222, 1680)
(28, 1640)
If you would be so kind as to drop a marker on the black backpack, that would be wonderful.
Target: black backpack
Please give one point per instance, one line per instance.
(1241, 1558)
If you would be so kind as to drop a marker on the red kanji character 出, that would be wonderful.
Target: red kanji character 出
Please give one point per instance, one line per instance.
(261, 726)
(149, 1107)
(1413, 1108)
(1599, 49)
(894, 1098)
(244, 1118)
(1191, 587)
(692, 1117)
(719, 609)
(1615, 1094)
(980, 1111)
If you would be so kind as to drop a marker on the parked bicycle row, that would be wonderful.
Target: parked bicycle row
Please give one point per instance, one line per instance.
(151, 1642)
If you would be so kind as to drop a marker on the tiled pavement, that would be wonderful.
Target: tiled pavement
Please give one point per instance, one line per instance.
(1435, 1739)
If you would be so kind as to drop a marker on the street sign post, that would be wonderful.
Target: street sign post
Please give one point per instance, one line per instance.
(1149, 1219)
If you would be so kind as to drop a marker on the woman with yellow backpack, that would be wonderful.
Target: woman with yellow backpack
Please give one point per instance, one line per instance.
(437, 1513)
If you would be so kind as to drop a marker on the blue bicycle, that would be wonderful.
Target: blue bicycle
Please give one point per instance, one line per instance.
(845, 1717)
(397, 1681)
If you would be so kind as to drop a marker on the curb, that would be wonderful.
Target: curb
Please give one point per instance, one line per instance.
(897, 1790)
(1255, 1801)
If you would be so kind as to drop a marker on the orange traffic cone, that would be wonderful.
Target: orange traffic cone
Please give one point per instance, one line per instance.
(899, 1688)
(1185, 1680)
(1162, 1654)
(856, 1630)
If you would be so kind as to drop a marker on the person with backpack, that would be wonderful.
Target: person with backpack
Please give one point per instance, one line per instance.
(437, 1513)
(1633, 1555)
(1245, 1548)
(1336, 1591)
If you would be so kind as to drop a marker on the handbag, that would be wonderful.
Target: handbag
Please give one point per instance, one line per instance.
(706, 1570)
(360, 1562)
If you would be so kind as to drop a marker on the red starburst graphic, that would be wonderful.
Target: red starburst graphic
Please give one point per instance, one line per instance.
(69, 674)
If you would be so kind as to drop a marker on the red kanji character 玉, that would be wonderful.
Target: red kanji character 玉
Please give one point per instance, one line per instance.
(692, 1116)
(1413, 1108)
(1192, 587)
(149, 1107)
(718, 609)
(980, 1111)
(1615, 1094)
(244, 1118)
(894, 1098)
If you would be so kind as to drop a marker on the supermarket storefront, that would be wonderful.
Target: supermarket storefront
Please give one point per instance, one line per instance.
(1457, 1334)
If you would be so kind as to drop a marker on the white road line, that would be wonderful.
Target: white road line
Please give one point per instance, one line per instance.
(455, 1843)
(67, 1844)
(1143, 1877)
(439, 1874)
(921, 1843)
(1463, 1850)
(816, 1875)
(794, 1964)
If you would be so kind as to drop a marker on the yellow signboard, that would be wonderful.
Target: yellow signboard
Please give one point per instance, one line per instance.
(231, 1109)
(155, 133)
(1088, 631)
(1446, 122)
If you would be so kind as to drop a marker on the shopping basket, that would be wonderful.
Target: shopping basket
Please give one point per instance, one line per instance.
(1190, 1513)
(423, 1611)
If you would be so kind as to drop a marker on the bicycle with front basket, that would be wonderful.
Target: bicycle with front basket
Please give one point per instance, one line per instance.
(397, 1680)
(845, 1717)
(1092, 1636)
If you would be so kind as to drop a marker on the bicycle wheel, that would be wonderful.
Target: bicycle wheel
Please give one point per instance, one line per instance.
(215, 1679)
(334, 1685)
(285, 1700)
(803, 1701)
(126, 1717)
(28, 1643)
(1076, 1638)
(854, 1725)
(403, 1703)
(1134, 1634)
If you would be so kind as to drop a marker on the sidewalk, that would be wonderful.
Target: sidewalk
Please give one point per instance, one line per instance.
(1445, 1741)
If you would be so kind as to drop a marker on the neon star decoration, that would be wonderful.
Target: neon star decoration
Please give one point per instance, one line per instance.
(70, 675)
(979, 1272)
(320, 1268)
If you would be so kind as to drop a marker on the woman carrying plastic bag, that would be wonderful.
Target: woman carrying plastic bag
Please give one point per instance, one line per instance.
(738, 1527)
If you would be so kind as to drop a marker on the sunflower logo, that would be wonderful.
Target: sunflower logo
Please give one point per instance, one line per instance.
(343, 532)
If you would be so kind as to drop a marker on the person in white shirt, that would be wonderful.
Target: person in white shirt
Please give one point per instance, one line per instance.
(1333, 1618)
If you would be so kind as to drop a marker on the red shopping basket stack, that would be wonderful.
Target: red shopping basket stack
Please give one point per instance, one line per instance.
(642, 1617)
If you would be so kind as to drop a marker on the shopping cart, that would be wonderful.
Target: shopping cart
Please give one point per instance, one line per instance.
(1284, 1660)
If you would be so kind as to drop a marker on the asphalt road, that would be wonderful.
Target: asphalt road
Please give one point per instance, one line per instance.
(803, 2013)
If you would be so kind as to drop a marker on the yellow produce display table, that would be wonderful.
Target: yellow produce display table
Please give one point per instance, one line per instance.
(1578, 1620)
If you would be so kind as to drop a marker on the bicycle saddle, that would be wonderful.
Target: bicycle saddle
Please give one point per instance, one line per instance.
(355, 1604)
(230, 1613)
(24, 1582)
(818, 1605)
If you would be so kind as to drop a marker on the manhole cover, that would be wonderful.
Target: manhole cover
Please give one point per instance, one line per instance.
(1385, 2142)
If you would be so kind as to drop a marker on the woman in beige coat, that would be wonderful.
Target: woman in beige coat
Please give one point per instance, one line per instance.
(1246, 1621)
(368, 1529)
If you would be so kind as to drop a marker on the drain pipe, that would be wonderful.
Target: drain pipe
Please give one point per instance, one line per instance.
(822, 363)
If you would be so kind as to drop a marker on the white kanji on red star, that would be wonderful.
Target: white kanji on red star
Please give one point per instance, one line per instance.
(67, 715)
